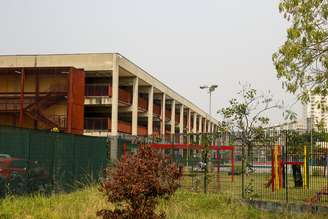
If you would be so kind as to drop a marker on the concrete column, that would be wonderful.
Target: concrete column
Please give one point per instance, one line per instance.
(200, 127)
(181, 119)
(163, 114)
(181, 127)
(173, 117)
(206, 125)
(194, 128)
(115, 85)
(114, 125)
(189, 121)
(209, 126)
(150, 110)
(135, 106)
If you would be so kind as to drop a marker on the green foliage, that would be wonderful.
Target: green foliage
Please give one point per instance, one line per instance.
(302, 61)
(297, 140)
(136, 184)
(246, 114)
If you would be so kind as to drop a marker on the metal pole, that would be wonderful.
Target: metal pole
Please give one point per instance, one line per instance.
(286, 166)
(206, 142)
(243, 172)
(210, 110)
(206, 138)
(21, 110)
(311, 139)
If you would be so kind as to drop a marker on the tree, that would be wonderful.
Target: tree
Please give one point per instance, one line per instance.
(302, 61)
(246, 115)
(136, 184)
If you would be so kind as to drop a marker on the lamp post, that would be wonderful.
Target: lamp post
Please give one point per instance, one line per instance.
(210, 89)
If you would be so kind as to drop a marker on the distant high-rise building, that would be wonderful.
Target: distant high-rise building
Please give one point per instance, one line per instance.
(316, 113)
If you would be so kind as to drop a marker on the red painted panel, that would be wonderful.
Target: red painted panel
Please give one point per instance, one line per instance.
(104, 123)
(97, 90)
(192, 146)
(167, 114)
(157, 110)
(110, 90)
(124, 96)
(124, 127)
(177, 118)
(142, 103)
(75, 102)
(142, 130)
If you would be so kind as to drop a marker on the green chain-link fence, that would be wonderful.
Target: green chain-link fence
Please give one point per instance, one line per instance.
(68, 159)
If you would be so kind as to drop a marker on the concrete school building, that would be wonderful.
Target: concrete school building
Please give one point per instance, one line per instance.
(96, 94)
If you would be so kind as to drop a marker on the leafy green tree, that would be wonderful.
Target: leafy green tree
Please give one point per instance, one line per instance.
(246, 116)
(302, 61)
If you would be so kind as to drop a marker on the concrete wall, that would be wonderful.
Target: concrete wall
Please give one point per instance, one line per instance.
(89, 62)
(117, 68)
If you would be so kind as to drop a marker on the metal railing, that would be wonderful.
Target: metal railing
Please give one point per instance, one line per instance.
(288, 166)
(96, 123)
(98, 90)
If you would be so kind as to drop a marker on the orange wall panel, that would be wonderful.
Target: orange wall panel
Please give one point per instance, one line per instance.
(75, 108)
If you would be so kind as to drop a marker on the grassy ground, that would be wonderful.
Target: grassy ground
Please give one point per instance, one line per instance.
(257, 182)
(85, 203)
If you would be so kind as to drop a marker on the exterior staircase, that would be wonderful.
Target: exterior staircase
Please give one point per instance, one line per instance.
(34, 107)
(34, 110)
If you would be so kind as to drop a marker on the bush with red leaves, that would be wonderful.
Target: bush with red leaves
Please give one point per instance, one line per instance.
(136, 184)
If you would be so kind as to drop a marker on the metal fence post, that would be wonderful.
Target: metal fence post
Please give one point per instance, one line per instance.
(218, 166)
(205, 145)
(243, 172)
(286, 166)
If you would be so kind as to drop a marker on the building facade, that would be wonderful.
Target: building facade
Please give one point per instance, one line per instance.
(315, 112)
(294, 125)
(93, 94)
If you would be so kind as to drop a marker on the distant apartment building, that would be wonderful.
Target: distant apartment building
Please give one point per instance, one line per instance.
(294, 125)
(315, 114)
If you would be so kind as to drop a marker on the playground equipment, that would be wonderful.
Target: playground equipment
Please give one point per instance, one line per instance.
(278, 173)
(276, 168)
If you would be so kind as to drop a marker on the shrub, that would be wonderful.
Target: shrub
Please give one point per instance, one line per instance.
(136, 184)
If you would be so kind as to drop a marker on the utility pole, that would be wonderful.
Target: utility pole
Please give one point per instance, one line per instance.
(205, 139)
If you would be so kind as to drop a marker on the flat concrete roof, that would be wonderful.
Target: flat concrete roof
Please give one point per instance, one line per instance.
(93, 62)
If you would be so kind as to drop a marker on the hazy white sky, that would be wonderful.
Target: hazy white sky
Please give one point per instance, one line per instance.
(184, 43)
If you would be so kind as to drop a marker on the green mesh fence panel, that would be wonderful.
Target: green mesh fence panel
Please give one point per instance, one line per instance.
(69, 159)
(63, 170)
(14, 142)
(88, 164)
(40, 146)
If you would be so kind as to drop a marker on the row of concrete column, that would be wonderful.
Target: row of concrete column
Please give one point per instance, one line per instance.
(209, 127)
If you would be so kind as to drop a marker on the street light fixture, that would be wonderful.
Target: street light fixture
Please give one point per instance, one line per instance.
(210, 88)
